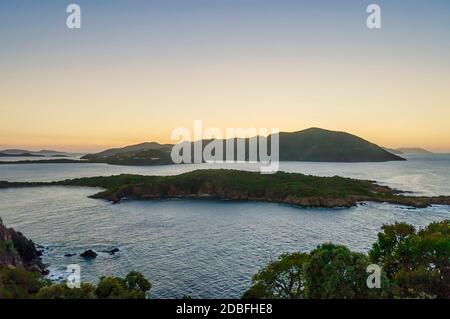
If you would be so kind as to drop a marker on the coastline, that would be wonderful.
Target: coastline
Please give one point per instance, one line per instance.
(285, 188)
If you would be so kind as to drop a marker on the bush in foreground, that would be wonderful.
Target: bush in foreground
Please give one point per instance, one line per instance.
(18, 283)
(415, 264)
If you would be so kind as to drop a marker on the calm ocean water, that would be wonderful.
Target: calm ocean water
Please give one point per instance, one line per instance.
(203, 248)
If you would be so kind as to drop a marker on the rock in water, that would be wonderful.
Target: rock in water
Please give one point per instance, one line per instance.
(111, 251)
(89, 254)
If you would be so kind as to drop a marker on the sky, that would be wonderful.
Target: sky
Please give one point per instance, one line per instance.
(136, 70)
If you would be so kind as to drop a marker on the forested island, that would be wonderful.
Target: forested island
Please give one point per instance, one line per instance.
(285, 188)
(310, 145)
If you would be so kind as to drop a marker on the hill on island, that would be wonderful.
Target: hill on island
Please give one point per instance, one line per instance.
(150, 153)
(319, 145)
(313, 145)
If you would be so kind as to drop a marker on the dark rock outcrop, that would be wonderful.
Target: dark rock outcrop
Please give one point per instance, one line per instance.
(18, 251)
(111, 251)
(89, 254)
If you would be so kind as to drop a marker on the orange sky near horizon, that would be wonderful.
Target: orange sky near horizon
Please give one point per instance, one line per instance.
(290, 68)
(112, 107)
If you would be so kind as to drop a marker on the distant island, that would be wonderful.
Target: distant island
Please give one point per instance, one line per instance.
(44, 161)
(413, 150)
(20, 155)
(140, 154)
(313, 145)
(310, 145)
(407, 150)
(23, 153)
(286, 188)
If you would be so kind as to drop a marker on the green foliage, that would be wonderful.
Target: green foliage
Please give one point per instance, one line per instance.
(61, 291)
(335, 272)
(223, 182)
(17, 283)
(280, 279)
(144, 157)
(418, 263)
(415, 264)
(313, 144)
(137, 282)
(134, 286)
(289, 188)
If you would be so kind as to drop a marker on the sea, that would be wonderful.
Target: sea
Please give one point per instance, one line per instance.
(202, 248)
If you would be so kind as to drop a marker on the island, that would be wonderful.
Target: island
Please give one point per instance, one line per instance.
(312, 145)
(20, 155)
(48, 161)
(414, 150)
(222, 184)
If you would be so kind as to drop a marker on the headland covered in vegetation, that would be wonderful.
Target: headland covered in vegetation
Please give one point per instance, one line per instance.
(285, 188)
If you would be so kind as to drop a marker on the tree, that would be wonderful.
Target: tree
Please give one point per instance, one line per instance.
(134, 286)
(17, 283)
(61, 291)
(282, 278)
(385, 251)
(417, 263)
(334, 271)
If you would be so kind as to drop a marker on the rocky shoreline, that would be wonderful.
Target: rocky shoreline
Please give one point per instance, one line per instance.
(284, 188)
(141, 192)
(18, 251)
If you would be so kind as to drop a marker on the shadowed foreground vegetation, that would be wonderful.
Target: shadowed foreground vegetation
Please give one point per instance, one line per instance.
(22, 270)
(287, 188)
(414, 264)
(17, 283)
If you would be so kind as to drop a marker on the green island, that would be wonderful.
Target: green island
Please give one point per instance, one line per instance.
(310, 145)
(285, 188)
